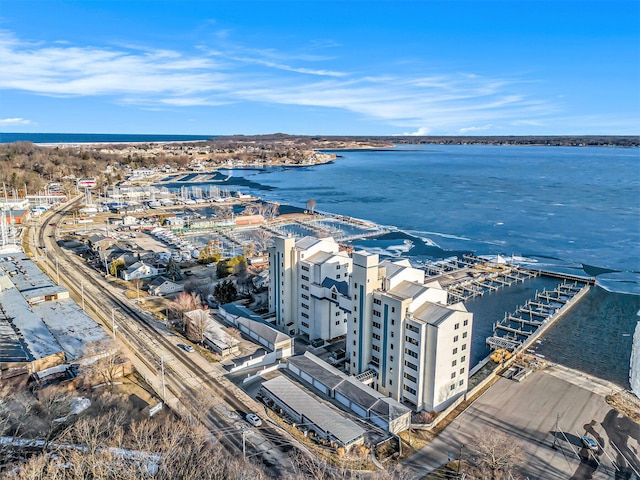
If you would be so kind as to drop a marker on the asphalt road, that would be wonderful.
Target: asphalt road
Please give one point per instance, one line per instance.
(527, 413)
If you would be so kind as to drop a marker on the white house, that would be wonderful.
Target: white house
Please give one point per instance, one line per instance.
(139, 270)
(162, 286)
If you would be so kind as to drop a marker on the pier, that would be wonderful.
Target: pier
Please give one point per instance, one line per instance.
(473, 276)
(547, 307)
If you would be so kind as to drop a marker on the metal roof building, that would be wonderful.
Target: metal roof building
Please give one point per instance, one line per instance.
(304, 409)
(368, 403)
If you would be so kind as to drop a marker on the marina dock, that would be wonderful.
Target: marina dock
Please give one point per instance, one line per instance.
(473, 276)
(517, 330)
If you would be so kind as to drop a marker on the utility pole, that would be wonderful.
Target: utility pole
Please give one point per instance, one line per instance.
(113, 322)
(244, 448)
(460, 459)
(554, 445)
(164, 386)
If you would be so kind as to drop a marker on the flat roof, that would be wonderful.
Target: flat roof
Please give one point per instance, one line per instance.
(310, 364)
(406, 289)
(11, 348)
(326, 418)
(36, 336)
(71, 327)
(28, 279)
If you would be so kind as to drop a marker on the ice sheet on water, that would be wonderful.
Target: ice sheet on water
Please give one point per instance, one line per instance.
(634, 372)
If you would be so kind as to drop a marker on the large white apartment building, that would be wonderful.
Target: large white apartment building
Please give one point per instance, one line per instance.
(309, 287)
(403, 329)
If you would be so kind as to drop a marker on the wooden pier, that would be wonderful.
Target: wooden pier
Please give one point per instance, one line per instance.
(550, 305)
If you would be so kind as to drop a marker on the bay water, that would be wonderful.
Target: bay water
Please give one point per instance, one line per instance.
(569, 209)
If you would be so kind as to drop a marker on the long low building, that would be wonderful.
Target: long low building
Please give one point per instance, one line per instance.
(366, 402)
(40, 326)
(305, 410)
(258, 329)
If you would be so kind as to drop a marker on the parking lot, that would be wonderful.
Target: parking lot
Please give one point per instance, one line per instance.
(528, 412)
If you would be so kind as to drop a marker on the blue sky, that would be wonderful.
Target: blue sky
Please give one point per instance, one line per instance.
(328, 68)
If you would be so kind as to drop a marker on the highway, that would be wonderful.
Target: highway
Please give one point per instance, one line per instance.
(186, 381)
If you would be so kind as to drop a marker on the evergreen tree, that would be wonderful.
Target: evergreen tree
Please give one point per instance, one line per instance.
(173, 270)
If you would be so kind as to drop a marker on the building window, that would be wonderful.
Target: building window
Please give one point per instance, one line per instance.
(354, 344)
(393, 309)
(453, 374)
(304, 315)
(456, 326)
(338, 276)
(411, 365)
(338, 322)
(465, 323)
(355, 296)
(376, 336)
(455, 350)
(463, 358)
(412, 328)
(374, 347)
(334, 296)
(305, 287)
(305, 306)
(461, 370)
(304, 324)
(376, 313)
(305, 296)
(409, 389)
(410, 377)
(411, 340)
(390, 383)
(453, 386)
(464, 347)
(305, 278)
(454, 363)
(375, 300)
(391, 358)
(305, 268)
(391, 345)
(355, 285)
(375, 360)
(376, 325)
(354, 363)
(455, 339)
(411, 353)
(338, 267)
(337, 313)
(393, 322)
(461, 382)
(464, 334)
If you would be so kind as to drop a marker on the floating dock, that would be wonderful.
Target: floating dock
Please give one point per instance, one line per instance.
(473, 276)
(517, 330)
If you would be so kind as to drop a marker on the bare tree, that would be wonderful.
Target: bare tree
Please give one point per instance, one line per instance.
(196, 326)
(262, 239)
(185, 302)
(495, 456)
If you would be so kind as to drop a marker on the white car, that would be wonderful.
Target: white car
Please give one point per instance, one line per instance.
(253, 419)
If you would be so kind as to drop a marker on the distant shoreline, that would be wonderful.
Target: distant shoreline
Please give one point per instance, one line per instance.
(320, 142)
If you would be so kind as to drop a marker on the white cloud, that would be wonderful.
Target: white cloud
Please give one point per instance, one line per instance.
(221, 74)
(421, 132)
(476, 129)
(10, 122)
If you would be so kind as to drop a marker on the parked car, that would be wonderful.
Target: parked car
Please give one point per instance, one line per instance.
(187, 348)
(253, 419)
(589, 443)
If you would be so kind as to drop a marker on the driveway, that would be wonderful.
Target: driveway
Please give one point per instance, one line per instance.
(527, 413)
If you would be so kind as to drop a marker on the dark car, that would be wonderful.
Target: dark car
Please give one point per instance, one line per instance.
(53, 224)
